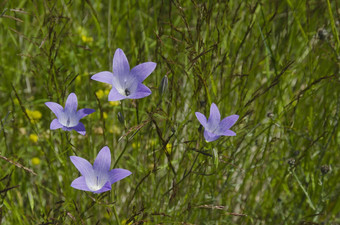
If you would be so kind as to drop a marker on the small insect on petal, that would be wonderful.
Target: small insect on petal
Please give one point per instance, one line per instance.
(126, 83)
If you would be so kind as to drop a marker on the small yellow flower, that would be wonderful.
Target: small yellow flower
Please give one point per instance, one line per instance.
(34, 115)
(100, 93)
(86, 39)
(107, 92)
(114, 103)
(134, 145)
(168, 148)
(35, 161)
(33, 138)
(104, 115)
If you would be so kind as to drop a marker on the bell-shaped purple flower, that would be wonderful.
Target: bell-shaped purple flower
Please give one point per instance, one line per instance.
(68, 118)
(97, 178)
(126, 83)
(214, 127)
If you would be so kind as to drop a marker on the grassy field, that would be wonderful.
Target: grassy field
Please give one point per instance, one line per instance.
(274, 63)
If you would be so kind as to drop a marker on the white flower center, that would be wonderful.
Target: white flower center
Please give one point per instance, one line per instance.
(96, 182)
(125, 84)
(68, 119)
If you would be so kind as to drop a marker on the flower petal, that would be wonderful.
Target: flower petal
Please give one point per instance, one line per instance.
(120, 63)
(118, 174)
(71, 103)
(84, 167)
(214, 117)
(84, 112)
(67, 128)
(210, 136)
(114, 95)
(103, 161)
(80, 184)
(80, 128)
(55, 107)
(105, 77)
(140, 92)
(228, 133)
(227, 123)
(142, 71)
(106, 187)
(201, 118)
(55, 124)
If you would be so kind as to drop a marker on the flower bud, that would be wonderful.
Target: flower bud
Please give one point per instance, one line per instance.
(164, 85)
(121, 117)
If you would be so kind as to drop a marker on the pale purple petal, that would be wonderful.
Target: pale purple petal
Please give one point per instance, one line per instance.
(105, 77)
(229, 121)
(55, 107)
(84, 112)
(118, 174)
(201, 118)
(84, 167)
(210, 136)
(71, 103)
(114, 95)
(120, 63)
(142, 71)
(228, 133)
(55, 124)
(80, 128)
(80, 184)
(103, 161)
(106, 187)
(214, 117)
(140, 92)
(67, 128)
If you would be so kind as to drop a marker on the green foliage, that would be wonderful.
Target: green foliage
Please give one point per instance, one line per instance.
(274, 63)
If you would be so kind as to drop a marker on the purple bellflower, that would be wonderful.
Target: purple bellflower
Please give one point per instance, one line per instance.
(214, 127)
(126, 83)
(97, 178)
(68, 118)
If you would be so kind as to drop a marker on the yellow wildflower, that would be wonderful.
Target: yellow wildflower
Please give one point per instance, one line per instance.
(33, 138)
(114, 103)
(100, 93)
(34, 115)
(104, 115)
(134, 145)
(35, 161)
(168, 148)
(86, 39)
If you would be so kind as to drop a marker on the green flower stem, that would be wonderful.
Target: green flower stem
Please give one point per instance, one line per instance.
(116, 215)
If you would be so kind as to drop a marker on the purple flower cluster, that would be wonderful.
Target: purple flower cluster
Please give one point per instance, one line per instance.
(126, 84)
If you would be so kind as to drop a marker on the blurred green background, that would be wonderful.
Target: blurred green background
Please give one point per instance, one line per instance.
(274, 63)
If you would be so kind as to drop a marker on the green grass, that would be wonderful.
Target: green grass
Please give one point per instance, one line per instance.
(274, 63)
